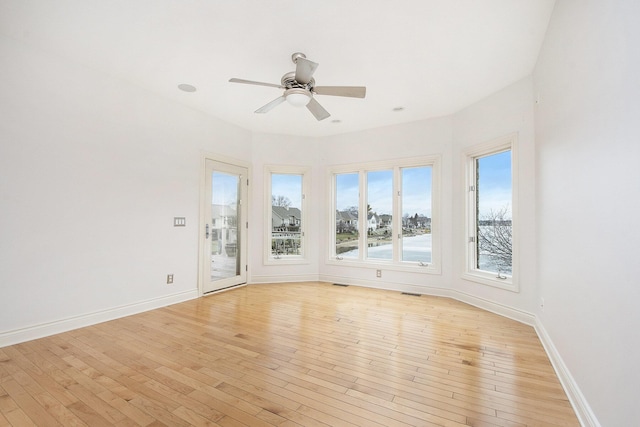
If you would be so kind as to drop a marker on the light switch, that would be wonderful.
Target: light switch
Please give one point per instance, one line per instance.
(179, 221)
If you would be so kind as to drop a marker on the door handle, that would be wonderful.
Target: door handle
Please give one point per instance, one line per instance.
(206, 231)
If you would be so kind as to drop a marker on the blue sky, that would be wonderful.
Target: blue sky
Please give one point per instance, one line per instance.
(494, 184)
(494, 187)
(288, 185)
(224, 188)
(380, 191)
(347, 196)
(416, 196)
(416, 191)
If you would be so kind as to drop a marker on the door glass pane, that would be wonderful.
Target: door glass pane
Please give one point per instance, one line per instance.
(286, 214)
(416, 214)
(493, 213)
(379, 214)
(347, 202)
(225, 209)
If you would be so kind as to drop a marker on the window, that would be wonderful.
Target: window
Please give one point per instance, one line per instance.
(286, 222)
(490, 189)
(386, 214)
(347, 239)
(379, 205)
(416, 214)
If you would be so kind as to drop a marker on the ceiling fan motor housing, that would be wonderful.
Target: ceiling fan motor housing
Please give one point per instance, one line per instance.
(289, 82)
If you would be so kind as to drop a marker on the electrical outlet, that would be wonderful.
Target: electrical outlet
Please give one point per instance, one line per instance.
(378, 273)
(169, 279)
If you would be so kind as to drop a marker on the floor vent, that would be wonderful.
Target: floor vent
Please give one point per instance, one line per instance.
(340, 284)
(410, 294)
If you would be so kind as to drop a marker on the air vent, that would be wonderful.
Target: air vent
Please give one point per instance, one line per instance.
(340, 284)
(410, 294)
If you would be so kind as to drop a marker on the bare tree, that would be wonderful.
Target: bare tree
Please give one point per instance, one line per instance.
(495, 238)
(280, 201)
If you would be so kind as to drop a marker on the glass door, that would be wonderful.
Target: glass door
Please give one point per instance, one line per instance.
(225, 228)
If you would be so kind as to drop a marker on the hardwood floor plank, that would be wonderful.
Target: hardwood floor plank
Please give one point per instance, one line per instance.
(59, 411)
(27, 404)
(88, 415)
(342, 405)
(294, 354)
(159, 412)
(232, 407)
(128, 410)
(265, 400)
(184, 401)
(194, 418)
(400, 415)
(17, 417)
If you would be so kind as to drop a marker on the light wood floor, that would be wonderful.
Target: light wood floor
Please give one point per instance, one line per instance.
(288, 354)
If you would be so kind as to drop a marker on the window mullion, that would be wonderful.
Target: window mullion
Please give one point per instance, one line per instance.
(474, 213)
(396, 226)
(362, 215)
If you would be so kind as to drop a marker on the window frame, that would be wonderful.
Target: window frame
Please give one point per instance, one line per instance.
(470, 155)
(305, 173)
(395, 264)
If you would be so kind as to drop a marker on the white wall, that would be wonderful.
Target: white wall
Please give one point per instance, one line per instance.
(588, 202)
(505, 112)
(92, 172)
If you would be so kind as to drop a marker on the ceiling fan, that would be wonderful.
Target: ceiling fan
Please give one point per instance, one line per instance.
(300, 87)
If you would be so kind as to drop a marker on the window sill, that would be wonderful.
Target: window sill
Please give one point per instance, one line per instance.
(286, 260)
(431, 268)
(489, 279)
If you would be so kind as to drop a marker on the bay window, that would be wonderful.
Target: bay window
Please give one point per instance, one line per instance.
(386, 214)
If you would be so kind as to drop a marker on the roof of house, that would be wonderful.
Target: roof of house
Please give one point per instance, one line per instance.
(284, 212)
(346, 216)
(220, 211)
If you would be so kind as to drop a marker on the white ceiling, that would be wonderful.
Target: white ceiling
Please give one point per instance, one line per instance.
(432, 57)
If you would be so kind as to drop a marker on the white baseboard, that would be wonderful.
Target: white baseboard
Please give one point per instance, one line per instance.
(580, 405)
(283, 278)
(70, 323)
(388, 286)
(502, 310)
(494, 307)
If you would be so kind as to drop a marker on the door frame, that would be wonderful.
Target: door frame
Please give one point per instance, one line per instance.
(202, 243)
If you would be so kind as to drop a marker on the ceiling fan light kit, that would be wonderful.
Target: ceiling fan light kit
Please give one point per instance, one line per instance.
(297, 97)
(300, 88)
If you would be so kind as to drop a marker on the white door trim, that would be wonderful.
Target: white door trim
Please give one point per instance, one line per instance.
(202, 221)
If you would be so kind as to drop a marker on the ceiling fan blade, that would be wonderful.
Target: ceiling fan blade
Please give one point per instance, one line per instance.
(349, 91)
(271, 105)
(317, 110)
(251, 82)
(304, 70)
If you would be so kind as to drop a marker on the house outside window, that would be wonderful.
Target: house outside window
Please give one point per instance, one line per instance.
(347, 208)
